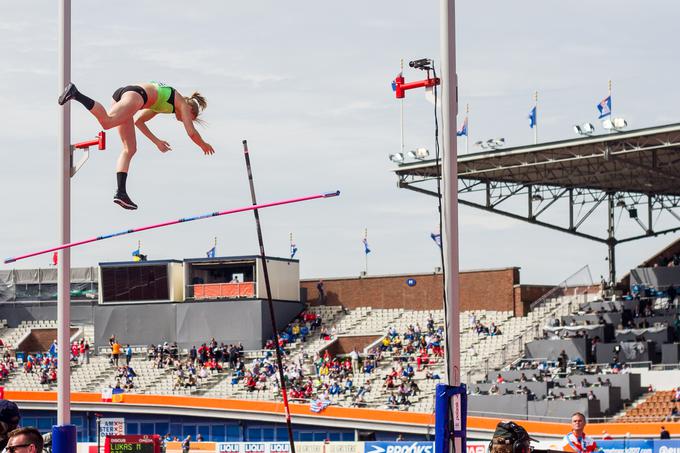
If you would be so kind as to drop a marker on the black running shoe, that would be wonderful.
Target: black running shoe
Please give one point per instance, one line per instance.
(123, 200)
(69, 93)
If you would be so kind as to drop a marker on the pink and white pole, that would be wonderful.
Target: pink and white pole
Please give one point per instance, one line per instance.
(69, 245)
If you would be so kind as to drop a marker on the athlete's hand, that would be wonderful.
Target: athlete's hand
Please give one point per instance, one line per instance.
(207, 149)
(163, 146)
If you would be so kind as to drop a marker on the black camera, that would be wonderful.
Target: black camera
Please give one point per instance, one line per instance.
(423, 63)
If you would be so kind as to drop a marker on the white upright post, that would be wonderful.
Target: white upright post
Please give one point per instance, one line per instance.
(450, 180)
(536, 116)
(64, 260)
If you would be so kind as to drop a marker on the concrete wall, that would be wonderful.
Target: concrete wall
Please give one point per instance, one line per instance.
(551, 349)
(192, 323)
(14, 313)
(481, 290)
(658, 379)
(283, 278)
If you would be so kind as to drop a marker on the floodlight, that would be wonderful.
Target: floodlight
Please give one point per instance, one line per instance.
(397, 157)
(619, 123)
(621, 203)
(537, 197)
(420, 153)
(584, 129)
(614, 124)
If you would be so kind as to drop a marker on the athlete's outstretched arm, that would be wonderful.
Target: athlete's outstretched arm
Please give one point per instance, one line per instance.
(193, 133)
(140, 121)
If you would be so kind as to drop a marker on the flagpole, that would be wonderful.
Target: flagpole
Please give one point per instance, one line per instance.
(467, 120)
(611, 109)
(365, 253)
(536, 121)
(401, 71)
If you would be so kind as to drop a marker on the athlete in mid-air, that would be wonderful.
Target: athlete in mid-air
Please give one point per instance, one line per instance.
(134, 105)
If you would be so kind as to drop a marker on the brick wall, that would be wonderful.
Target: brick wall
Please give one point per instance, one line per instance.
(40, 340)
(482, 290)
(344, 345)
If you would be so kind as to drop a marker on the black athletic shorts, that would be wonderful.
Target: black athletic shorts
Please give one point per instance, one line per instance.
(136, 88)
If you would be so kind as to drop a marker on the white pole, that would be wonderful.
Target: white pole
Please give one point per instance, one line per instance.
(64, 260)
(536, 123)
(401, 71)
(467, 132)
(450, 180)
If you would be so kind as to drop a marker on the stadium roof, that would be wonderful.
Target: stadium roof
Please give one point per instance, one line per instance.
(635, 171)
(643, 161)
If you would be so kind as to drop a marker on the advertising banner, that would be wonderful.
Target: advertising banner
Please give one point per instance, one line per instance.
(111, 427)
(476, 446)
(626, 446)
(667, 446)
(399, 447)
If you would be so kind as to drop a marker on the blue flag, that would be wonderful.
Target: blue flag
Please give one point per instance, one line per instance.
(605, 107)
(437, 238)
(463, 131)
(293, 250)
(532, 118)
(136, 252)
(366, 249)
(211, 253)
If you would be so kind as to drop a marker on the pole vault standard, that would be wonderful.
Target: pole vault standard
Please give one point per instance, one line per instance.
(263, 257)
(174, 222)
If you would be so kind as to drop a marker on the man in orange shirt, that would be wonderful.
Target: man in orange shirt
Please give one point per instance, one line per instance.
(115, 352)
(577, 441)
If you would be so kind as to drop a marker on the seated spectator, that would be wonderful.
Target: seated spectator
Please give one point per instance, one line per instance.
(392, 402)
(676, 396)
(430, 375)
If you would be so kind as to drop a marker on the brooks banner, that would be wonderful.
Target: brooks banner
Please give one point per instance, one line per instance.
(399, 447)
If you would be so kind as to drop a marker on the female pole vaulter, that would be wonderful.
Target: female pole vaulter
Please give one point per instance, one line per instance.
(134, 105)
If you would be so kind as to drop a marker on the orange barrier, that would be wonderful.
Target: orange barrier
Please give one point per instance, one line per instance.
(347, 413)
(217, 290)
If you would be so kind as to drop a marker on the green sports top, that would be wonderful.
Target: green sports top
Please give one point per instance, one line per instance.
(166, 98)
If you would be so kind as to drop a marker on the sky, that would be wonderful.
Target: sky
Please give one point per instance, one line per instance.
(307, 83)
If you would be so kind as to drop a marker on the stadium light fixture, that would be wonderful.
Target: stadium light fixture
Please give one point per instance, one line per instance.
(537, 197)
(621, 203)
(492, 143)
(397, 158)
(420, 153)
(614, 124)
(584, 129)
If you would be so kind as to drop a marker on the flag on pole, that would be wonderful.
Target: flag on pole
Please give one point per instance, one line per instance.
(532, 118)
(394, 81)
(211, 253)
(366, 249)
(463, 131)
(293, 250)
(437, 238)
(55, 258)
(605, 107)
(136, 252)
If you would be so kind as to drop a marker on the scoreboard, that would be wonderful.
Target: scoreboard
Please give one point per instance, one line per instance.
(133, 444)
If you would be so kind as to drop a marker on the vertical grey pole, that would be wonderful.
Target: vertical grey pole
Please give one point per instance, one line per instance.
(450, 180)
(64, 261)
(611, 239)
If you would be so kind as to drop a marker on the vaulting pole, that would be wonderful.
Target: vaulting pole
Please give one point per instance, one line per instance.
(272, 317)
